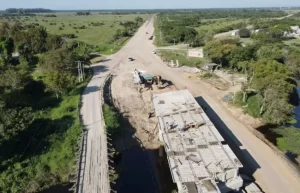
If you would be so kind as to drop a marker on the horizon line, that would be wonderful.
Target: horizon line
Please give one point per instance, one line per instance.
(108, 9)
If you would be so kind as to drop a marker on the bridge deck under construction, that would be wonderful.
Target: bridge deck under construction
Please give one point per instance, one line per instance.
(197, 157)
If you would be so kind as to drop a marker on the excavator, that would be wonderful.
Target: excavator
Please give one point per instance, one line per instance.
(141, 77)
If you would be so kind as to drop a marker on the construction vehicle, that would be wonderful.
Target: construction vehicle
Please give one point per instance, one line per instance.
(142, 77)
(157, 80)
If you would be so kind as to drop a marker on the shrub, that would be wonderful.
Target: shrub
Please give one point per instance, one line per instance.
(111, 119)
(82, 27)
(244, 33)
(254, 104)
(208, 75)
(71, 36)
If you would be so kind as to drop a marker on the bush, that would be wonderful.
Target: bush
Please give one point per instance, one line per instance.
(239, 99)
(208, 75)
(244, 33)
(111, 119)
(254, 104)
(290, 140)
(71, 36)
(82, 27)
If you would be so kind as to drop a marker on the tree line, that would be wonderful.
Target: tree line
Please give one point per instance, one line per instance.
(38, 134)
(272, 70)
(180, 28)
(25, 11)
(129, 28)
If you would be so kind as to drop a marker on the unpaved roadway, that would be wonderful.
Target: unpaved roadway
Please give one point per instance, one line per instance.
(271, 172)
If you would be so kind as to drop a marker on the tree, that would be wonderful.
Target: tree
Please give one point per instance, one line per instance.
(267, 72)
(292, 61)
(6, 49)
(4, 30)
(59, 60)
(13, 121)
(190, 35)
(14, 77)
(139, 20)
(17, 33)
(118, 34)
(60, 82)
(205, 35)
(277, 108)
(244, 33)
(290, 139)
(273, 52)
(54, 42)
(240, 54)
(35, 39)
(270, 79)
(219, 51)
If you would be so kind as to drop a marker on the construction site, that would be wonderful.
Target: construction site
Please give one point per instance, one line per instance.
(164, 118)
(198, 160)
(174, 136)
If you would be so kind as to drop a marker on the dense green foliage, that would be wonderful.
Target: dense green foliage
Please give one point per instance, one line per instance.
(270, 66)
(39, 123)
(186, 27)
(111, 119)
(290, 140)
(129, 28)
(244, 33)
(266, 75)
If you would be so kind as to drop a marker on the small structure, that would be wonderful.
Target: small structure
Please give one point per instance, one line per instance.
(173, 65)
(198, 159)
(210, 66)
(197, 53)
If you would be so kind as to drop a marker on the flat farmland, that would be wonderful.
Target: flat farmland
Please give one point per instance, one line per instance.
(95, 29)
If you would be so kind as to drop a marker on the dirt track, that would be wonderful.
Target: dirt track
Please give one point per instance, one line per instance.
(271, 172)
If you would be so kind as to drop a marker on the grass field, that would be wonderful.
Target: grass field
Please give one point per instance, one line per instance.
(65, 23)
(182, 58)
(218, 23)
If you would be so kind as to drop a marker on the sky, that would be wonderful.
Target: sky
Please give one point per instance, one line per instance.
(142, 4)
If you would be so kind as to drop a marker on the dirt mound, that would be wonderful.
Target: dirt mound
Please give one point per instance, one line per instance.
(135, 103)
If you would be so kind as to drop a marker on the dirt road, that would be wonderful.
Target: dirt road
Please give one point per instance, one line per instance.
(270, 171)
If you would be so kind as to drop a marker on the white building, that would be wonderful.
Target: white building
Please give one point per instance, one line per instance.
(198, 161)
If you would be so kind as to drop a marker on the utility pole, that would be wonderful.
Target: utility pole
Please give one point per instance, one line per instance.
(80, 67)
